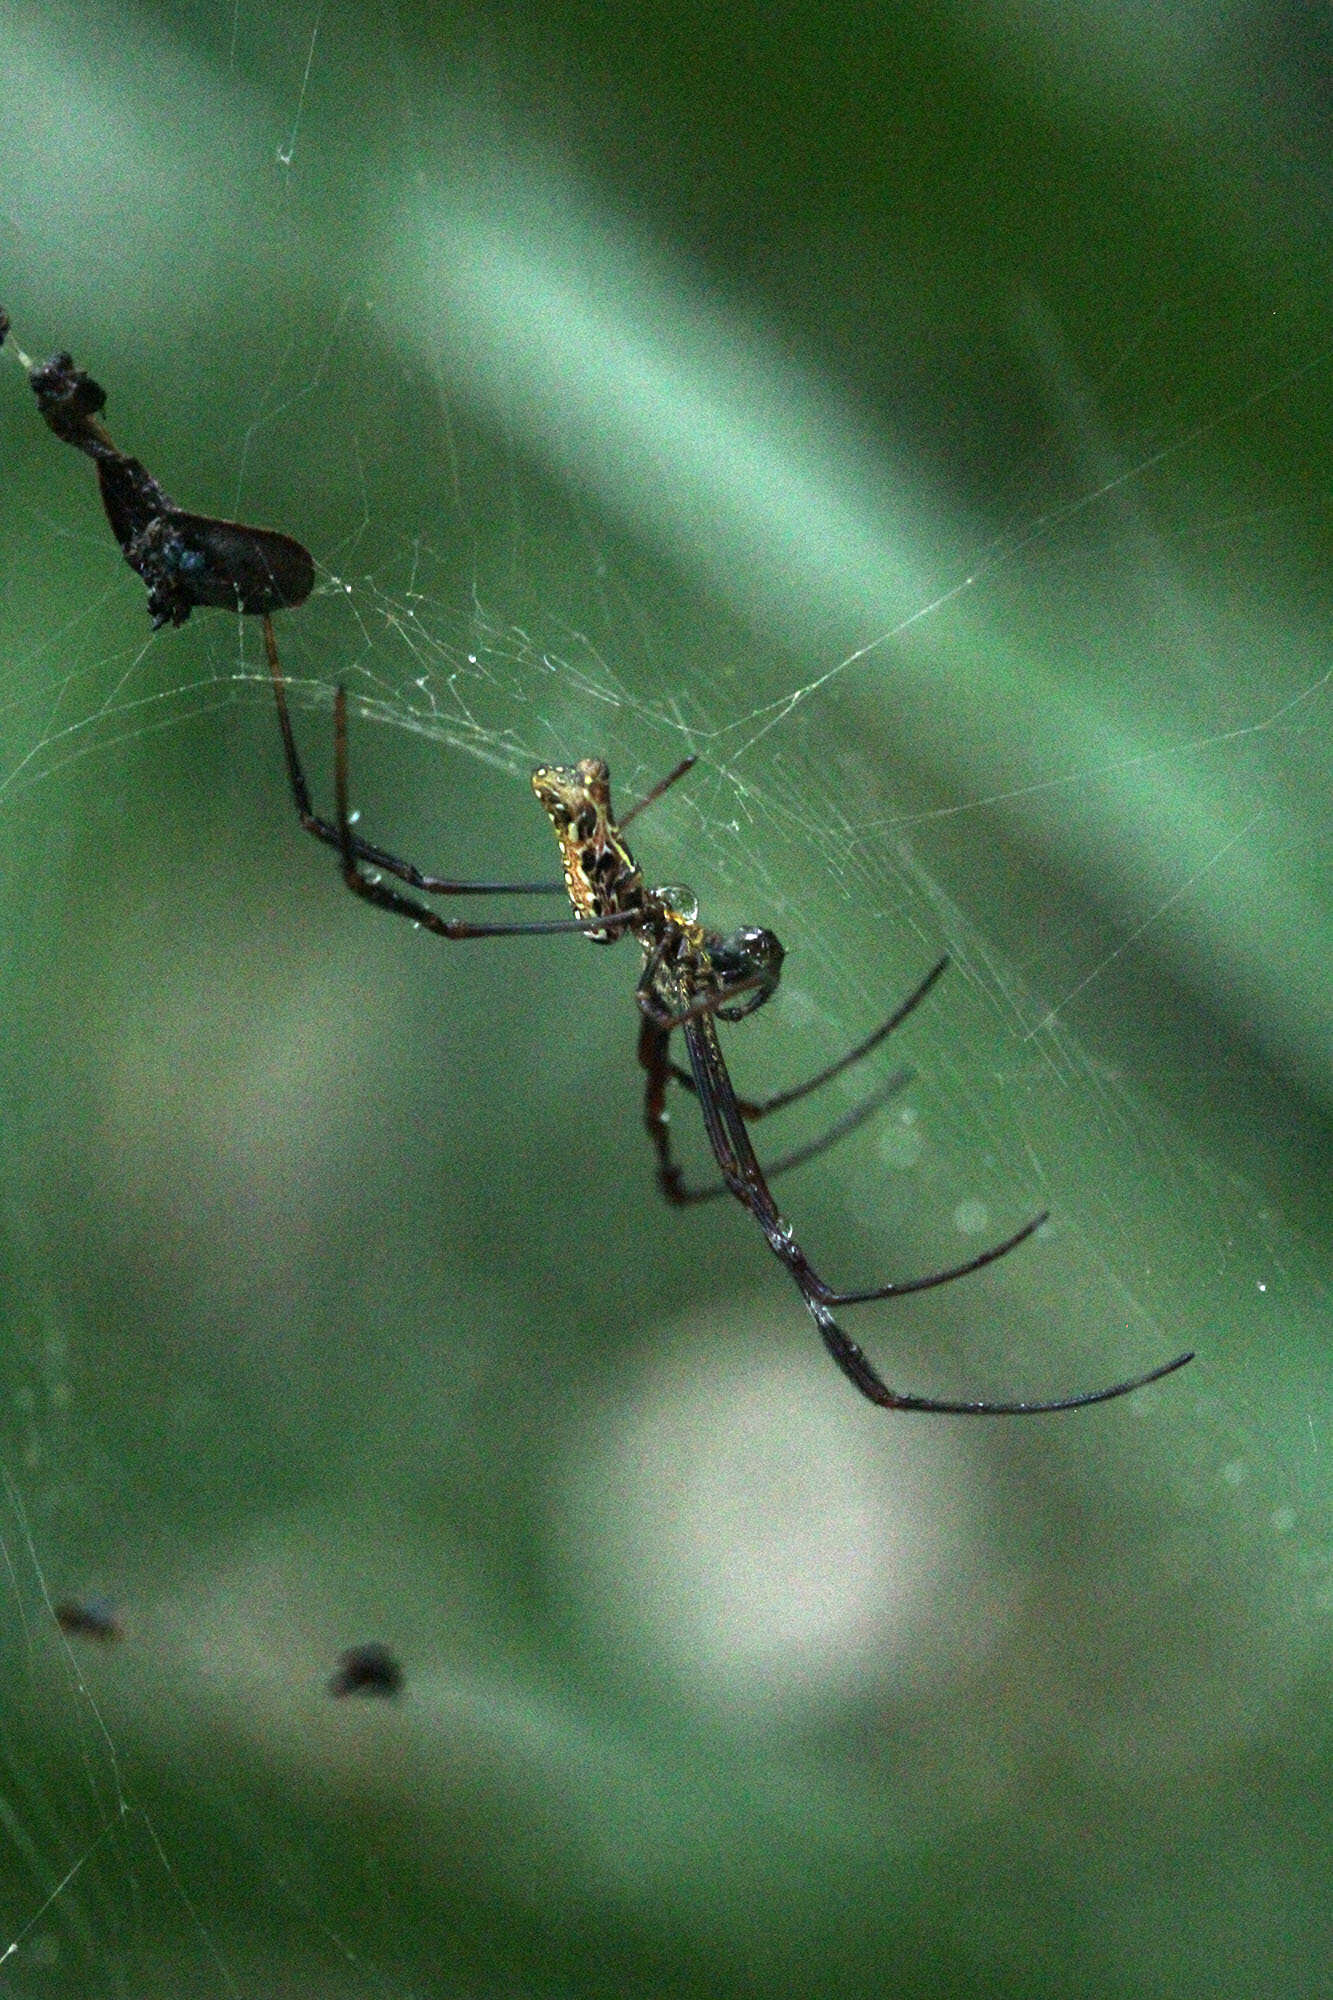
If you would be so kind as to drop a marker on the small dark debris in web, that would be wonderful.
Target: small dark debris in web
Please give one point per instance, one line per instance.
(370, 1670)
(89, 1618)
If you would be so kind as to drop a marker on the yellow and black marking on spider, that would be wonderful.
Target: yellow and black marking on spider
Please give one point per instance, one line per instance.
(691, 979)
(602, 877)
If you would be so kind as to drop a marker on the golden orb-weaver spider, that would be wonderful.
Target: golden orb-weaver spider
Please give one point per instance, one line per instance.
(692, 978)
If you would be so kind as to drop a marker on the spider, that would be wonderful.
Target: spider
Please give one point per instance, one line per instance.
(692, 978)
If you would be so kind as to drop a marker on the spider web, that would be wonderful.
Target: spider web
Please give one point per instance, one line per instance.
(340, 1306)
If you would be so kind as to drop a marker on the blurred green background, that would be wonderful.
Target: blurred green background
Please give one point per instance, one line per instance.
(923, 416)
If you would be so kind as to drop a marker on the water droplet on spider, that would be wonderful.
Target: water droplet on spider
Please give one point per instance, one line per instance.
(354, 818)
(682, 900)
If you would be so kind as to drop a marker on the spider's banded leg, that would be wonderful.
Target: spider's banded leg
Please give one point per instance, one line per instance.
(335, 836)
(384, 898)
(734, 1154)
(760, 1108)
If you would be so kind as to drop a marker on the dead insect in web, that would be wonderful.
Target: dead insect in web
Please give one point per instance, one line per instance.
(188, 561)
(370, 1669)
(191, 562)
(89, 1618)
(691, 979)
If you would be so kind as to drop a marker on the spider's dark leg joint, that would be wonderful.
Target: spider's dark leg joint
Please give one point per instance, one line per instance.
(851, 1360)
(654, 1013)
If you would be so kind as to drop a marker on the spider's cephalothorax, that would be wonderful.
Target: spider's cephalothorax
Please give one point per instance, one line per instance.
(738, 970)
(692, 978)
(686, 967)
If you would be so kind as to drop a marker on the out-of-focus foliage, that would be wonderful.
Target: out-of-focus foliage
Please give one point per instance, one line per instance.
(923, 415)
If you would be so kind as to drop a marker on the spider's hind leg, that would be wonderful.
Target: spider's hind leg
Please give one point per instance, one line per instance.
(849, 1122)
(755, 1108)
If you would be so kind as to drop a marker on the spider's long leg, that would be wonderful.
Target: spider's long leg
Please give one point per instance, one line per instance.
(653, 1039)
(858, 1369)
(676, 1191)
(386, 898)
(662, 785)
(730, 1141)
(684, 1196)
(334, 835)
(932, 1278)
(753, 1108)
(657, 1024)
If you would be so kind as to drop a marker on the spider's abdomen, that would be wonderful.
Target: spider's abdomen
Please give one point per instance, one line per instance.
(601, 876)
